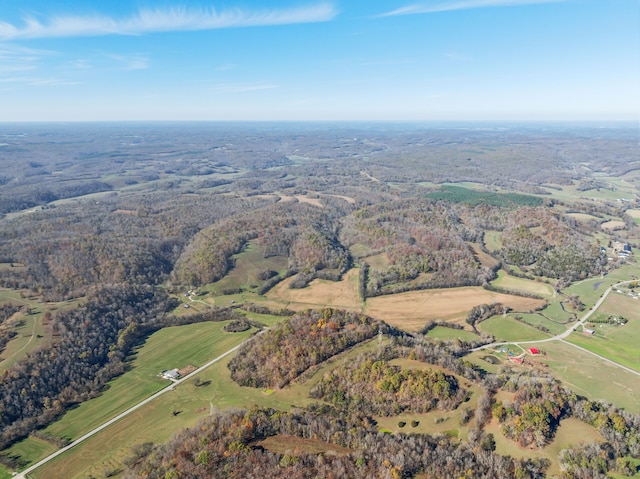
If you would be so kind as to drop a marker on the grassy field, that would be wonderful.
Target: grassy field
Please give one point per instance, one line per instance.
(493, 240)
(535, 319)
(570, 432)
(613, 225)
(621, 305)
(248, 264)
(168, 348)
(591, 377)
(620, 344)
(412, 310)
(508, 329)
(590, 290)
(582, 217)
(436, 421)
(320, 293)
(31, 335)
(156, 422)
(520, 284)
(30, 450)
(440, 332)
(484, 258)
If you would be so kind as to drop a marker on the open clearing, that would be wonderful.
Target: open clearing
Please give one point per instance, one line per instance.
(622, 305)
(493, 240)
(635, 214)
(582, 217)
(591, 377)
(320, 293)
(484, 258)
(169, 348)
(509, 329)
(413, 309)
(570, 432)
(248, 264)
(618, 343)
(613, 225)
(440, 332)
(506, 281)
(157, 422)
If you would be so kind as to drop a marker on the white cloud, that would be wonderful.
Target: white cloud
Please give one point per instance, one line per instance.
(448, 5)
(163, 20)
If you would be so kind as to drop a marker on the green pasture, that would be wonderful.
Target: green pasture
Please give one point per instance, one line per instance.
(493, 240)
(31, 335)
(359, 250)
(509, 329)
(570, 432)
(618, 304)
(162, 418)
(590, 376)
(248, 264)
(521, 284)
(30, 450)
(618, 343)
(169, 348)
(440, 332)
(535, 319)
(590, 290)
(556, 312)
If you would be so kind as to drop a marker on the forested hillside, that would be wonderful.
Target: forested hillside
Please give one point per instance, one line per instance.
(110, 233)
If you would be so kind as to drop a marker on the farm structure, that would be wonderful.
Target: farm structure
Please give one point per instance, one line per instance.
(171, 374)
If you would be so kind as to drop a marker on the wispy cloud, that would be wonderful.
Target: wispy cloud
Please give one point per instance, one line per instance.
(448, 5)
(32, 81)
(14, 59)
(243, 87)
(134, 62)
(163, 20)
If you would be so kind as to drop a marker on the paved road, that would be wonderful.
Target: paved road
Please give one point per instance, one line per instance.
(24, 474)
(561, 337)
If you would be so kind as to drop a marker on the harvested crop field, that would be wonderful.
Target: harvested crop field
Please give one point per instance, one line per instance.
(635, 214)
(582, 216)
(337, 294)
(412, 310)
(484, 258)
(613, 225)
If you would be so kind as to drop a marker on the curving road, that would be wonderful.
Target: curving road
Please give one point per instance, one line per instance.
(562, 336)
(25, 474)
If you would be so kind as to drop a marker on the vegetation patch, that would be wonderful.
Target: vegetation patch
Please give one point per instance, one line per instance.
(375, 387)
(280, 355)
(508, 329)
(533, 415)
(341, 294)
(298, 446)
(457, 194)
(410, 311)
(522, 285)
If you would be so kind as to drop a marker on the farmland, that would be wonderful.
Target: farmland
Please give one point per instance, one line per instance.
(409, 229)
(411, 310)
(320, 293)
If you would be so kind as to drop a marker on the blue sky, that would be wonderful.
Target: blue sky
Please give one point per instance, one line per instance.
(326, 60)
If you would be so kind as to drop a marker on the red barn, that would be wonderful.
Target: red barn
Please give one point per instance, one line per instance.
(534, 351)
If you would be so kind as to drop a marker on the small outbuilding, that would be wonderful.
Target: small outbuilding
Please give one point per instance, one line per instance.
(534, 351)
(170, 374)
